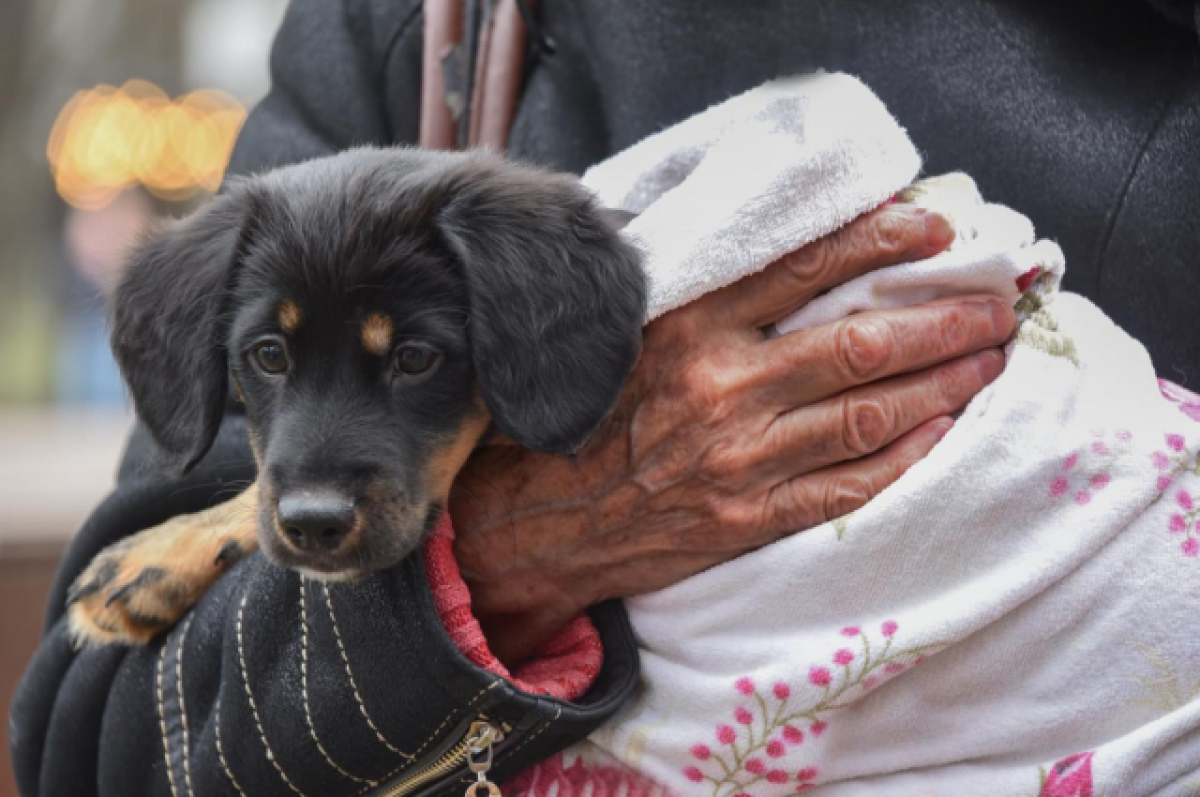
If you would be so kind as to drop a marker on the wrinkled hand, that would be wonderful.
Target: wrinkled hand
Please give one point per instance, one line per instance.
(724, 440)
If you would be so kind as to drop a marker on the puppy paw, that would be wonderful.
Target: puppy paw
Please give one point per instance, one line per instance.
(137, 588)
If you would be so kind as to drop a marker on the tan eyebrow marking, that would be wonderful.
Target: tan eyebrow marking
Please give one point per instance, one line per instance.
(289, 317)
(377, 334)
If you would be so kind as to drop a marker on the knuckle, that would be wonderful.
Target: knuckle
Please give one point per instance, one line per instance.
(863, 347)
(722, 464)
(892, 233)
(952, 382)
(732, 516)
(844, 495)
(867, 423)
(955, 330)
(810, 265)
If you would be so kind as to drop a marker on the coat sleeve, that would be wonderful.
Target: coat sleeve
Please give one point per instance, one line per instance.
(342, 74)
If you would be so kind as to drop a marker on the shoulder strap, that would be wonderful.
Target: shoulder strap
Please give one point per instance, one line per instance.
(495, 83)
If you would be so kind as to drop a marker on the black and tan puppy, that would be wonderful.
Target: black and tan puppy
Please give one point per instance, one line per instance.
(376, 312)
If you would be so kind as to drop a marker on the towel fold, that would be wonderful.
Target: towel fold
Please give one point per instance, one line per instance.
(1016, 615)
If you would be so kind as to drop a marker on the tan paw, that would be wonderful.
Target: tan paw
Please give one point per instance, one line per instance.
(140, 586)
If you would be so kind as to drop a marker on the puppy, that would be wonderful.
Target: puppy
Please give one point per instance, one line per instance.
(376, 312)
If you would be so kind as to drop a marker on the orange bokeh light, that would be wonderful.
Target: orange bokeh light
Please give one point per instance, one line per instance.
(107, 140)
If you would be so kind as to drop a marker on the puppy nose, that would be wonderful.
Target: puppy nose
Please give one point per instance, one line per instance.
(316, 522)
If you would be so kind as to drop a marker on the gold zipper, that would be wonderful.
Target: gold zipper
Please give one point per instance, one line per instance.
(475, 750)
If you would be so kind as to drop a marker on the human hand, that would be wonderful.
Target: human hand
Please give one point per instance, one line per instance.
(724, 440)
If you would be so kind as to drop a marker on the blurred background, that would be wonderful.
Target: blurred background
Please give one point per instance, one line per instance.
(112, 112)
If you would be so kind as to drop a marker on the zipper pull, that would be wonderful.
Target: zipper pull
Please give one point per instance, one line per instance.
(479, 758)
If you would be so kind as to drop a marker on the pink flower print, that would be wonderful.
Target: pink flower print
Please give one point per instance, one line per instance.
(1175, 442)
(1177, 524)
(1159, 460)
(701, 752)
(1070, 462)
(792, 734)
(893, 667)
(808, 773)
(755, 766)
(1100, 447)
(818, 727)
(726, 734)
(1191, 547)
(745, 686)
(1083, 497)
(781, 690)
(843, 657)
(819, 676)
(1189, 402)
(775, 748)
(1164, 482)
(693, 774)
(743, 715)
(1184, 500)
(1070, 777)
(851, 630)
(1100, 481)
(1124, 435)
(1058, 487)
(777, 776)
(889, 628)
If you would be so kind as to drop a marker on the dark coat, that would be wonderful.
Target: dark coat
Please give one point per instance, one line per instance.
(1086, 116)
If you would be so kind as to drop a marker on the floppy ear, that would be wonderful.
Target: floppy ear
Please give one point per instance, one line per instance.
(168, 330)
(557, 301)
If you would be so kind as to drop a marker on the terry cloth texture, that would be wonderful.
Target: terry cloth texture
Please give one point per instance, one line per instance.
(718, 195)
(1015, 615)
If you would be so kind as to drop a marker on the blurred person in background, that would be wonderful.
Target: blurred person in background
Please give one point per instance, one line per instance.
(1085, 118)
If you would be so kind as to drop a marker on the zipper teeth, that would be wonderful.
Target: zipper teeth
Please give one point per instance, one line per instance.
(443, 766)
(450, 760)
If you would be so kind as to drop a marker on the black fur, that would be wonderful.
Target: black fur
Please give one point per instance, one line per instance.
(167, 325)
(513, 274)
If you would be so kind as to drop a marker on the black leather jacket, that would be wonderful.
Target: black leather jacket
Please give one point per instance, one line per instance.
(1086, 116)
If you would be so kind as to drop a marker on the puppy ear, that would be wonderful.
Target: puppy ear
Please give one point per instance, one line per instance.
(168, 327)
(557, 300)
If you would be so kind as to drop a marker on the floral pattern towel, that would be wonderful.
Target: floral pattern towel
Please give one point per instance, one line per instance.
(1018, 615)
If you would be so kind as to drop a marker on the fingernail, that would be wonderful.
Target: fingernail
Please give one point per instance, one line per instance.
(1003, 318)
(939, 232)
(990, 365)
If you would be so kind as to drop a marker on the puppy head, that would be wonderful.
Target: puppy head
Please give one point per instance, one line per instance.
(376, 311)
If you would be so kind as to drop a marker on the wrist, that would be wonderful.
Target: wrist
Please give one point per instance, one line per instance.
(515, 637)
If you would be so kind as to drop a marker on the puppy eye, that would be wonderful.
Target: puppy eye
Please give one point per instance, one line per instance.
(414, 360)
(271, 357)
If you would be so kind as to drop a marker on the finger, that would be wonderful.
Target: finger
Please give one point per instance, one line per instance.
(830, 493)
(862, 421)
(813, 364)
(887, 236)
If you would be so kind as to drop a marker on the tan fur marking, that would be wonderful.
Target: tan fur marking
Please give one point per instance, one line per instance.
(186, 554)
(377, 334)
(289, 317)
(446, 463)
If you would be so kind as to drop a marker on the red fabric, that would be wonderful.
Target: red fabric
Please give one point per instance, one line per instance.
(565, 667)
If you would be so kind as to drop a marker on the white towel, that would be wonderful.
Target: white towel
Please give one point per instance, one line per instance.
(726, 192)
(1018, 614)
